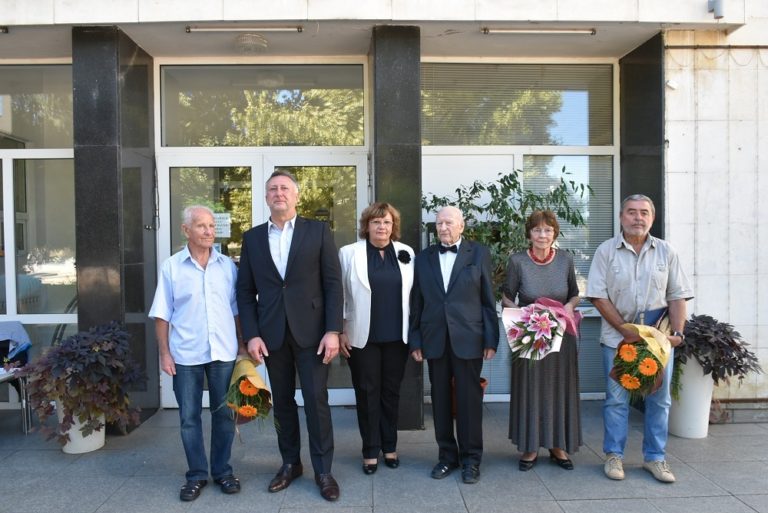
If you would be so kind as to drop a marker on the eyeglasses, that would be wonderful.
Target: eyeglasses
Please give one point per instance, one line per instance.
(543, 231)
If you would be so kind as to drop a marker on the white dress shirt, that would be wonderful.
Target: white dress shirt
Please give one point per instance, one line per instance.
(447, 260)
(280, 243)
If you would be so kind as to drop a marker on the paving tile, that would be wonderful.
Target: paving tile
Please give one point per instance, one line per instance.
(701, 505)
(757, 502)
(59, 492)
(742, 477)
(606, 506)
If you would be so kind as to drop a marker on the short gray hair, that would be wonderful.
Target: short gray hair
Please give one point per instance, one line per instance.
(188, 213)
(639, 197)
(287, 174)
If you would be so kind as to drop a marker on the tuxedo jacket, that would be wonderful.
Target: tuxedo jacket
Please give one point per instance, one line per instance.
(357, 290)
(308, 300)
(465, 314)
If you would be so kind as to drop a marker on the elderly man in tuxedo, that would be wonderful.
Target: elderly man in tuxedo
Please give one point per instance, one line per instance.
(290, 298)
(454, 326)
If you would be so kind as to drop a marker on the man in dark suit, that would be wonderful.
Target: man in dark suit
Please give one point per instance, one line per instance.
(290, 298)
(454, 326)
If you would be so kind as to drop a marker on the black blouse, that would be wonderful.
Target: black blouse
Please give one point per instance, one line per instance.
(386, 295)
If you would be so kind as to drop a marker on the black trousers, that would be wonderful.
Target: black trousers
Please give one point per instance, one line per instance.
(469, 408)
(282, 365)
(377, 371)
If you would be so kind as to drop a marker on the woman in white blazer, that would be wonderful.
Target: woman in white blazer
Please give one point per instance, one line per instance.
(377, 273)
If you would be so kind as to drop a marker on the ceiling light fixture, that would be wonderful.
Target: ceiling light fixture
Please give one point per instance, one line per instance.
(556, 31)
(242, 28)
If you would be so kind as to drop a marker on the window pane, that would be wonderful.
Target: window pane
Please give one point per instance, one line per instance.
(329, 193)
(541, 171)
(35, 107)
(262, 105)
(45, 239)
(225, 190)
(517, 104)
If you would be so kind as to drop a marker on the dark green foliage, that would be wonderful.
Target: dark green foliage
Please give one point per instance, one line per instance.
(499, 222)
(88, 374)
(718, 347)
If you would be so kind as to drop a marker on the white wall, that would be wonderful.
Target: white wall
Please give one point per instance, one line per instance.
(716, 172)
(45, 12)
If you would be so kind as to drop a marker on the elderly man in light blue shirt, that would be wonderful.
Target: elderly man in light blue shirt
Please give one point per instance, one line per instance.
(632, 273)
(196, 322)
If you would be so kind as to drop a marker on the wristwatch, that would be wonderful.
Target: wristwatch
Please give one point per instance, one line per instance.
(679, 334)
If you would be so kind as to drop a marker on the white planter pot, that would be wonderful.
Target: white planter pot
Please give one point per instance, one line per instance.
(689, 416)
(78, 443)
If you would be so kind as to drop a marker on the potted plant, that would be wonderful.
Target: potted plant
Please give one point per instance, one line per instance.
(88, 375)
(713, 352)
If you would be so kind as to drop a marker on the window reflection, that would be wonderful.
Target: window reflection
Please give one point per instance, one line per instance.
(45, 238)
(226, 191)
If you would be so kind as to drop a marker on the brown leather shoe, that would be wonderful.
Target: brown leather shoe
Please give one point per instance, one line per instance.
(329, 488)
(284, 476)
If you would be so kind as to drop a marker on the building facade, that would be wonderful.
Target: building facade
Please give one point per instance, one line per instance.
(115, 114)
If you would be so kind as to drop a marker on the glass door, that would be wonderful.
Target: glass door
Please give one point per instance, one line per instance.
(333, 189)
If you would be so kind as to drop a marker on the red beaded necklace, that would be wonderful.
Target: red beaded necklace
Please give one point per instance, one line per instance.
(547, 259)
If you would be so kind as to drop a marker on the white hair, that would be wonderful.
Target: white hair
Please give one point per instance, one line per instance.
(188, 213)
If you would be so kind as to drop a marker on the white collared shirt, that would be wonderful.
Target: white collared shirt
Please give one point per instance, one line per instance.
(199, 304)
(447, 260)
(280, 243)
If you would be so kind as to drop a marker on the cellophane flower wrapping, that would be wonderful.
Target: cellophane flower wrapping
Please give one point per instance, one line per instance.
(638, 366)
(248, 395)
(533, 331)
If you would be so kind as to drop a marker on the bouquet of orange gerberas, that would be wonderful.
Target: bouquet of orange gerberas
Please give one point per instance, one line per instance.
(248, 395)
(639, 366)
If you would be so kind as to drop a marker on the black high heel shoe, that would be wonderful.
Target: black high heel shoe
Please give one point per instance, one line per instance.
(370, 468)
(526, 465)
(392, 462)
(565, 463)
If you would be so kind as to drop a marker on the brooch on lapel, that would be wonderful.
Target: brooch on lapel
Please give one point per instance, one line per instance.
(403, 256)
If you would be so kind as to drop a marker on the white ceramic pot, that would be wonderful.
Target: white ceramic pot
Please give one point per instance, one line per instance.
(78, 443)
(689, 416)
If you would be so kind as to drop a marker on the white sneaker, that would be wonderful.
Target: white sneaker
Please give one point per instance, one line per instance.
(660, 471)
(614, 468)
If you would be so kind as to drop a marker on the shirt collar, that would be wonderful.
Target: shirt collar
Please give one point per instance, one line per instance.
(621, 242)
(457, 244)
(215, 255)
(291, 222)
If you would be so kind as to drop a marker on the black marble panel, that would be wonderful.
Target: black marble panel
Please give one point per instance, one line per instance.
(396, 58)
(641, 79)
(398, 181)
(95, 86)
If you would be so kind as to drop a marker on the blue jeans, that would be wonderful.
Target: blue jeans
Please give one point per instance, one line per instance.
(188, 387)
(616, 413)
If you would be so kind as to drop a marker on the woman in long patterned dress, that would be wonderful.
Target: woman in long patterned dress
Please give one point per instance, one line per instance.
(544, 398)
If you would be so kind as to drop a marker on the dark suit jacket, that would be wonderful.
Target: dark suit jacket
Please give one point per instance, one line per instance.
(310, 298)
(466, 313)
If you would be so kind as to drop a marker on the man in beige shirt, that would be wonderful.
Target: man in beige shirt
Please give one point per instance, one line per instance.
(631, 273)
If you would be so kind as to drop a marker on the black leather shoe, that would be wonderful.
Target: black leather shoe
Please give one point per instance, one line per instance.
(370, 468)
(392, 462)
(191, 490)
(284, 476)
(565, 463)
(329, 488)
(442, 470)
(228, 484)
(526, 465)
(470, 474)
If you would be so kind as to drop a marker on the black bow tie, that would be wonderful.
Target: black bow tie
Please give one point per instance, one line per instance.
(453, 248)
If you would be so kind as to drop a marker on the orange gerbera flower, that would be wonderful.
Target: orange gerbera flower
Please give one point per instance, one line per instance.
(247, 388)
(648, 367)
(628, 353)
(247, 411)
(630, 382)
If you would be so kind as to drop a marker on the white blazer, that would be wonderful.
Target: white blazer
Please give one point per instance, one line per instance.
(357, 290)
